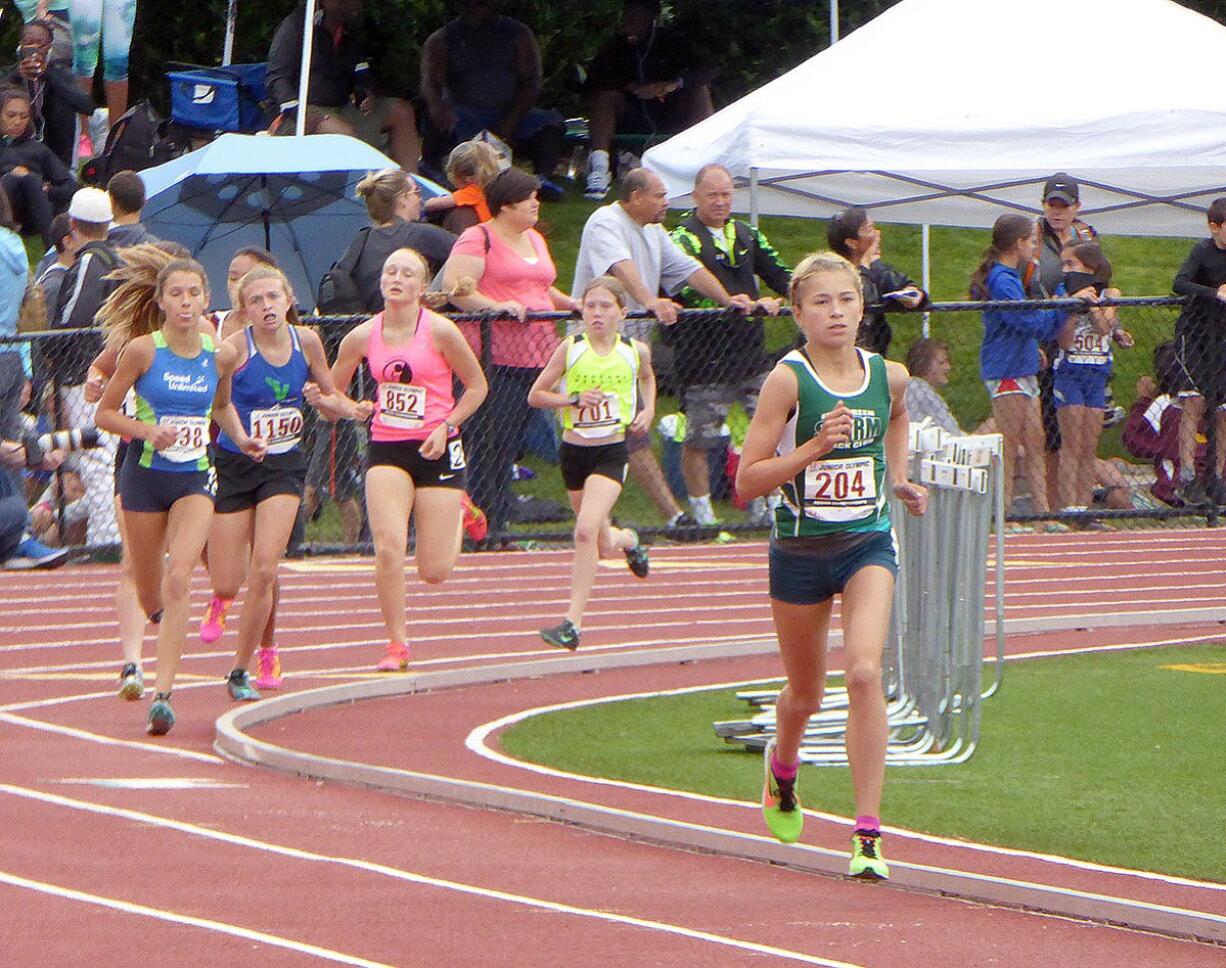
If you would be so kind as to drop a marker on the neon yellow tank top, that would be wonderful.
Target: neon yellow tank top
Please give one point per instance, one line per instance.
(616, 373)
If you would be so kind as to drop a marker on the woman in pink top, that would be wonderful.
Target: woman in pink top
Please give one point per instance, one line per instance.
(416, 456)
(510, 261)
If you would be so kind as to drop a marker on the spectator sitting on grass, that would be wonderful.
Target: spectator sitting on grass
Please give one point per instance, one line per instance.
(55, 97)
(482, 72)
(470, 167)
(929, 365)
(127, 191)
(648, 79)
(37, 183)
(340, 93)
(853, 235)
(1152, 430)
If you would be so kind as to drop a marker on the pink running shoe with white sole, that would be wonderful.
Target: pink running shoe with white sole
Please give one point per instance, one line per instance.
(268, 665)
(396, 659)
(214, 620)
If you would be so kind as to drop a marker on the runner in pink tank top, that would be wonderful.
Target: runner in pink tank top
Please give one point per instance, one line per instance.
(414, 383)
(415, 461)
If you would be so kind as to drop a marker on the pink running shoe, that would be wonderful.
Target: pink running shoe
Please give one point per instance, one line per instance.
(214, 620)
(396, 659)
(269, 665)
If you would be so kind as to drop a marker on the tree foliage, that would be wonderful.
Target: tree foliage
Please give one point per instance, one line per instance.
(752, 42)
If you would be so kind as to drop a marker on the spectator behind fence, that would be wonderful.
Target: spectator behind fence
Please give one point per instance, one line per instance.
(127, 191)
(1059, 225)
(514, 272)
(1200, 342)
(929, 365)
(341, 94)
(1009, 356)
(65, 245)
(482, 72)
(36, 181)
(82, 293)
(470, 166)
(19, 549)
(626, 240)
(1082, 369)
(852, 234)
(721, 360)
(1152, 430)
(393, 201)
(14, 273)
(648, 79)
(55, 97)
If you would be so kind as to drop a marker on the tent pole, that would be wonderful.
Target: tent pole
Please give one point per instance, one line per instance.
(926, 267)
(834, 22)
(753, 197)
(227, 51)
(308, 37)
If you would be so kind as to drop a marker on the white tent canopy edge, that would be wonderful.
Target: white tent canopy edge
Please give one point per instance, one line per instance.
(954, 136)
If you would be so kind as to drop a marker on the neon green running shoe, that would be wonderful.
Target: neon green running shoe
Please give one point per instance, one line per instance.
(866, 859)
(780, 804)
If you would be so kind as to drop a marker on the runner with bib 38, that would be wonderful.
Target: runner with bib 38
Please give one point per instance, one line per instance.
(831, 432)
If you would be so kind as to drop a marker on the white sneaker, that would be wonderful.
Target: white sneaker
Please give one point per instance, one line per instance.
(704, 515)
(598, 184)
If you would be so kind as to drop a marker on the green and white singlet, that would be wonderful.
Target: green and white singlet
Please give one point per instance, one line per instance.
(616, 373)
(844, 491)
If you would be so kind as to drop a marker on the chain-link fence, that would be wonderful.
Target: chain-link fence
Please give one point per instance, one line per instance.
(1101, 407)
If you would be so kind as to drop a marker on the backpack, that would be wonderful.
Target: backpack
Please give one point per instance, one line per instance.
(135, 142)
(338, 291)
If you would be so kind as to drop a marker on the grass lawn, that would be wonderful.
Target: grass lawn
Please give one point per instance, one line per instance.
(1112, 758)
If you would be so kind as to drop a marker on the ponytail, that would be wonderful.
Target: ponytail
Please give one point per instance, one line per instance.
(1007, 231)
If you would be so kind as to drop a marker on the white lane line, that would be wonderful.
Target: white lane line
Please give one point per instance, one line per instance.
(642, 604)
(479, 634)
(160, 914)
(835, 645)
(412, 877)
(477, 742)
(12, 720)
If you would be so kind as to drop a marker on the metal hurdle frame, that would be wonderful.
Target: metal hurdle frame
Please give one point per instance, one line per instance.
(933, 666)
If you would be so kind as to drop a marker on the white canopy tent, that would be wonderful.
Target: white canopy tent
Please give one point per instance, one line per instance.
(950, 112)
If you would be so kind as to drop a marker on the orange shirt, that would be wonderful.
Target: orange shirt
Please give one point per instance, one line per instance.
(473, 196)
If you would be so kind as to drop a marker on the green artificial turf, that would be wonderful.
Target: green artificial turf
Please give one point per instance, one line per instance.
(1113, 758)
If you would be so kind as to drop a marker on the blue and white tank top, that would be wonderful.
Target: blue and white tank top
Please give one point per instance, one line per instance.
(178, 391)
(269, 398)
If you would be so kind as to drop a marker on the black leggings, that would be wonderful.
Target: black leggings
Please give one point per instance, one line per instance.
(32, 205)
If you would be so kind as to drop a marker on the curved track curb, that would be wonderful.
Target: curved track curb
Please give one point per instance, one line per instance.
(233, 742)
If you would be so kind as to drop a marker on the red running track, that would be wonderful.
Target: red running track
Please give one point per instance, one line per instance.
(117, 843)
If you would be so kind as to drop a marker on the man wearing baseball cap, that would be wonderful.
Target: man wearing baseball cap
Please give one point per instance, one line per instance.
(82, 293)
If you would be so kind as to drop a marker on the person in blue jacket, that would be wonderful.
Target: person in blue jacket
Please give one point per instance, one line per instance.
(1009, 358)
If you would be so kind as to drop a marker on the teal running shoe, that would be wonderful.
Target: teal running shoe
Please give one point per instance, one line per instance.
(240, 688)
(161, 716)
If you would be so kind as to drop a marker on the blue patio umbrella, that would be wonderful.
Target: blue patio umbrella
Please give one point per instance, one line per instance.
(293, 196)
